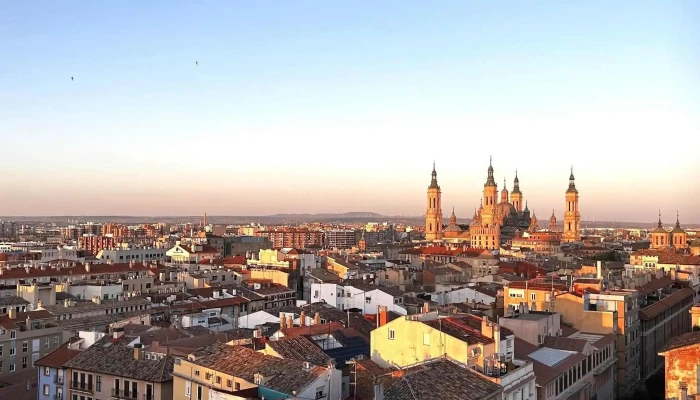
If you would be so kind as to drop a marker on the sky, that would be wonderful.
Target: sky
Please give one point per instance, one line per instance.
(327, 106)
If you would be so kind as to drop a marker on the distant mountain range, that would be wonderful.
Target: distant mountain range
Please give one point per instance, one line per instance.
(347, 217)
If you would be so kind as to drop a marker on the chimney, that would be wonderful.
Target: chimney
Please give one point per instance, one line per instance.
(39, 303)
(302, 319)
(283, 322)
(599, 270)
(521, 308)
(87, 267)
(486, 327)
(28, 322)
(138, 351)
(117, 333)
(426, 307)
(526, 308)
(659, 273)
(12, 313)
(674, 274)
(383, 316)
(317, 319)
(290, 321)
(497, 340)
(684, 391)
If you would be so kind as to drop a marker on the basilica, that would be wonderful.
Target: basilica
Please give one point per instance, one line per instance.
(498, 220)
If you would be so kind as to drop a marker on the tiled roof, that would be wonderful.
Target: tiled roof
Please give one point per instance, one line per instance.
(77, 270)
(12, 301)
(465, 327)
(110, 357)
(442, 379)
(667, 302)
(562, 343)
(367, 371)
(280, 374)
(58, 357)
(21, 318)
(681, 259)
(299, 348)
(688, 339)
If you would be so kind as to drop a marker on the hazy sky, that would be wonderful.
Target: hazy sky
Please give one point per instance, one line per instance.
(328, 106)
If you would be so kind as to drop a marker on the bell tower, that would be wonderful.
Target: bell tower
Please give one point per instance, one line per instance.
(488, 217)
(572, 217)
(516, 196)
(433, 215)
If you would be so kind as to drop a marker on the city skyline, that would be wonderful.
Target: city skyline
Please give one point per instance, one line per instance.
(252, 109)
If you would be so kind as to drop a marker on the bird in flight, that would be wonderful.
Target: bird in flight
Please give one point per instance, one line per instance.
(71, 78)
(196, 62)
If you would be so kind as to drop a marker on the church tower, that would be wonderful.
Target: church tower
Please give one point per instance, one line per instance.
(572, 217)
(553, 222)
(516, 196)
(433, 215)
(488, 217)
(659, 236)
(679, 236)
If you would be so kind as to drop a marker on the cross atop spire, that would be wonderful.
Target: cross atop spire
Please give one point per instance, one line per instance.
(489, 178)
(572, 182)
(433, 181)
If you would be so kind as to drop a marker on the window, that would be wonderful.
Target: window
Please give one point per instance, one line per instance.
(25, 346)
(319, 393)
(426, 339)
(98, 383)
(188, 388)
(237, 386)
(46, 390)
(12, 367)
(46, 343)
(391, 334)
(533, 296)
(13, 334)
(12, 351)
(24, 362)
(196, 372)
(55, 341)
(199, 392)
(47, 371)
(218, 380)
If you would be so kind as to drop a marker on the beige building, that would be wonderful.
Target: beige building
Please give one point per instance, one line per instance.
(25, 337)
(114, 368)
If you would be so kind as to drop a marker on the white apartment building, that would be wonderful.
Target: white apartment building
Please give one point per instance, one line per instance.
(365, 297)
(126, 252)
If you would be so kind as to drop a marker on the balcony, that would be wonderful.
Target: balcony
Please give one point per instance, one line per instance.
(58, 379)
(124, 394)
(58, 396)
(82, 387)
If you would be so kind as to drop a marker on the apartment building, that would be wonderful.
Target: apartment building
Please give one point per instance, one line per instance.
(99, 314)
(51, 372)
(346, 296)
(126, 252)
(27, 336)
(117, 368)
(476, 342)
(581, 366)
(191, 253)
(610, 311)
(292, 237)
(224, 371)
(340, 239)
(538, 294)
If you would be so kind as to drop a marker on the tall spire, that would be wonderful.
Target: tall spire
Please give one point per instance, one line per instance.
(489, 179)
(572, 183)
(433, 182)
(678, 221)
(660, 225)
(516, 183)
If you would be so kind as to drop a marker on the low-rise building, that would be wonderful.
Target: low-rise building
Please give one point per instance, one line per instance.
(225, 371)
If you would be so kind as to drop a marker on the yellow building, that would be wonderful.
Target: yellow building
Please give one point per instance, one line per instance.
(433, 215)
(475, 342)
(536, 294)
